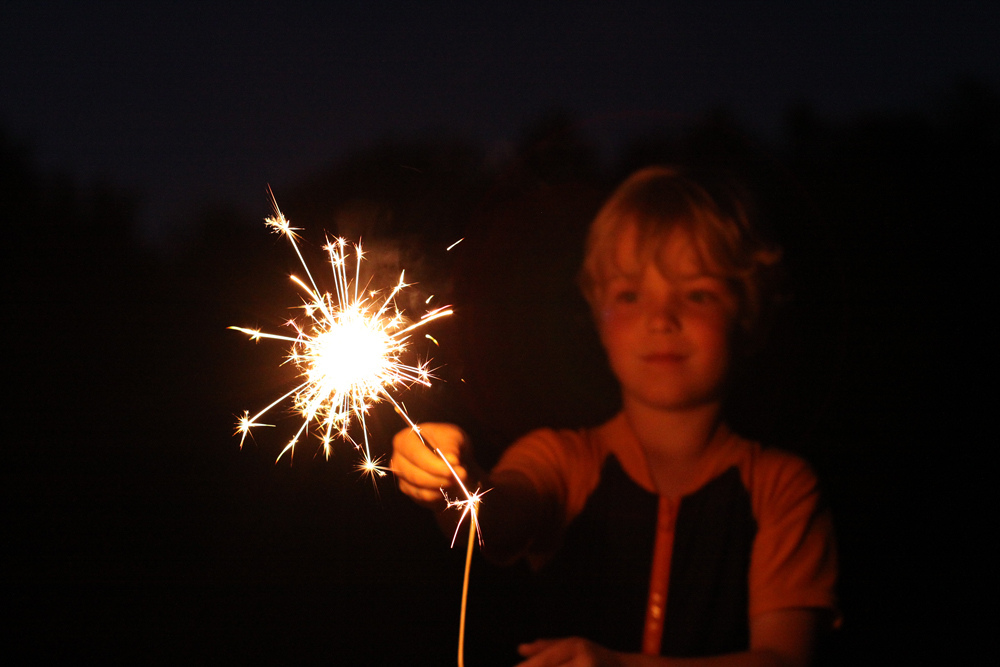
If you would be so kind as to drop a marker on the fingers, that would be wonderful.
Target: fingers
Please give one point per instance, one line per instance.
(417, 448)
(450, 439)
(535, 647)
(420, 471)
(420, 466)
(428, 497)
(571, 651)
(546, 653)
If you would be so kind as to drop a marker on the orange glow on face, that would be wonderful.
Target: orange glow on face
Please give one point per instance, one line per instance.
(667, 325)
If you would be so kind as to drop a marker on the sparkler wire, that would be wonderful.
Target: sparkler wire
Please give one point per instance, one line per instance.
(473, 531)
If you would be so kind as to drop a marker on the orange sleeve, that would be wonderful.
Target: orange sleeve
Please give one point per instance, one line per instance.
(794, 561)
(564, 466)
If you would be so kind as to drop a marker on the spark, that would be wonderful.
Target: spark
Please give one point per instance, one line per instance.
(244, 425)
(348, 346)
(372, 468)
(469, 507)
(454, 244)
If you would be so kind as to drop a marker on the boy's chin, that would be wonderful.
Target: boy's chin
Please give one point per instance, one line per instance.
(671, 401)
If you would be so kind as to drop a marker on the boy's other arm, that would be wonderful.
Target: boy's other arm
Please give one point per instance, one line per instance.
(782, 638)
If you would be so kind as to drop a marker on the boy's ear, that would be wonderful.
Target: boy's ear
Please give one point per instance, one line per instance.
(749, 336)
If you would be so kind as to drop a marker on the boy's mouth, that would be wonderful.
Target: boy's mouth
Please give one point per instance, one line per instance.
(663, 358)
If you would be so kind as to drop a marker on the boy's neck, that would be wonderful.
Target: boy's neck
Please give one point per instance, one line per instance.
(674, 441)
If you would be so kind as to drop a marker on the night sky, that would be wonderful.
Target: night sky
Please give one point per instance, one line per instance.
(187, 104)
(137, 144)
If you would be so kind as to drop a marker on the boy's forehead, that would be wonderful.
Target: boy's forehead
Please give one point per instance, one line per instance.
(675, 253)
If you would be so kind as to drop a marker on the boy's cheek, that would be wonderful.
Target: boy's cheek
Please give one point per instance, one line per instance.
(604, 321)
(609, 324)
(616, 314)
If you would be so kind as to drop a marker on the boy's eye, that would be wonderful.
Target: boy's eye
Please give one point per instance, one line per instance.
(702, 296)
(626, 296)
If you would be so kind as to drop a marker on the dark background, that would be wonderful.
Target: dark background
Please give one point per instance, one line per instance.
(135, 146)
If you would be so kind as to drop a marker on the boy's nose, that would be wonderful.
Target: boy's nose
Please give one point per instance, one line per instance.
(664, 315)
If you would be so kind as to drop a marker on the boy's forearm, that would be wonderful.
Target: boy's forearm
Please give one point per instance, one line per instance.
(512, 516)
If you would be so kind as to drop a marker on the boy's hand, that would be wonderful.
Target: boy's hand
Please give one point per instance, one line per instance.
(421, 472)
(569, 651)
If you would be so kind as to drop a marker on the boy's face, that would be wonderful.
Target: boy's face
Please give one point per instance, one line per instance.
(667, 325)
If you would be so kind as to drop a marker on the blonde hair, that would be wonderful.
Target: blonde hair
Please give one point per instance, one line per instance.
(658, 200)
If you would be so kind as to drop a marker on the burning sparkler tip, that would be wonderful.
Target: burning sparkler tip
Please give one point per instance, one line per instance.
(470, 508)
(348, 349)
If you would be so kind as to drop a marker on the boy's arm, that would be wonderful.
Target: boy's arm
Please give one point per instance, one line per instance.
(511, 514)
(783, 638)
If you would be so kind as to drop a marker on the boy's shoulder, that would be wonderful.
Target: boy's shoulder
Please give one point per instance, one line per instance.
(763, 468)
(562, 464)
(556, 447)
(767, 473)
(568, 463)
(763, 464)
(780, 483)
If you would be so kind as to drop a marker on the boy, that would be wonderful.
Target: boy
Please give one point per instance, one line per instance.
(735, 564)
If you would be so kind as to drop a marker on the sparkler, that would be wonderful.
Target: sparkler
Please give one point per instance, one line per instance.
(349, 350)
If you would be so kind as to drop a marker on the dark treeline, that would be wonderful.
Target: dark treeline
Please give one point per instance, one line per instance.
(139, 531)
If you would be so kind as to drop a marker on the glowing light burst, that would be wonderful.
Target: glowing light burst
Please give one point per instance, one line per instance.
(348, 347)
